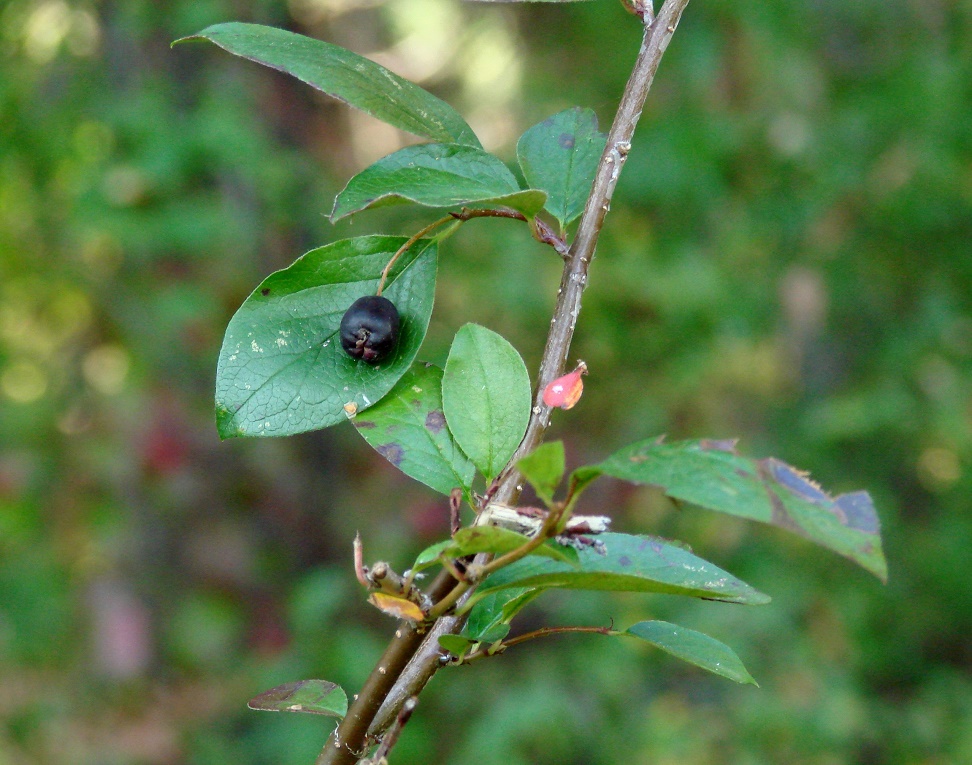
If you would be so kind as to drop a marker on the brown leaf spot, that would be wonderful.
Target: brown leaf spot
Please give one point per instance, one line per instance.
(434, 421)
(392, 452)
(624, 561)
(364, 424)
(265, 291)
(566, 140)
(781, 517)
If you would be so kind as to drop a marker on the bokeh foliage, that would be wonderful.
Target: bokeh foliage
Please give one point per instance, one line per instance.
(788, 260)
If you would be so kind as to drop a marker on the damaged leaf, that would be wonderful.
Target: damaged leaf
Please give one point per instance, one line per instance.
(318, 697)
(713, 475)
(408, 428)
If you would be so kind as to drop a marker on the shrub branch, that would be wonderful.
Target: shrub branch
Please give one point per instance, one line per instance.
(414, 656)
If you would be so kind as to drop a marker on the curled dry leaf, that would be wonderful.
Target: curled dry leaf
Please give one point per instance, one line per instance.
(395, 606)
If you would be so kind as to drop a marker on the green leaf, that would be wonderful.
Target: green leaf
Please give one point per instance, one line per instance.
(494, 633)
(437, 175)
(490, 539)
(346, 76)
(713, 475)
(629, 564)
(431, 554)
(560, 156)
(495, 610)
(318, 697)
(486, 396)
(282, 369)
(457, 645)
(694, 647)
(544, 468)
(408, 428)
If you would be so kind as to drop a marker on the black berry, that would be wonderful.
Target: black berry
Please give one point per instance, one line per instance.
(369, 329)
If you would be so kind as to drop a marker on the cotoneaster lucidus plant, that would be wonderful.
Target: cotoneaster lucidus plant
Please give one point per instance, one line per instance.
(473, 429)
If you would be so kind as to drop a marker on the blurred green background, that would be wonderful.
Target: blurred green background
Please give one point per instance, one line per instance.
(788, 261)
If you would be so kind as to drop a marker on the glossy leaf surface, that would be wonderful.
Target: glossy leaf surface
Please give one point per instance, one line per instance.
(408, 428)
(560, 156)
(437, 175)
(318, 697)
(282, 369)
(629, 564)
(486, 397)
(348, 77)
(694, 647)
(713, 475)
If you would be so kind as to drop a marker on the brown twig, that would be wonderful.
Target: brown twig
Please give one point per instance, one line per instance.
(391, 738)
(408, 243)
(541, 232)
(542, 632)
(408, 658)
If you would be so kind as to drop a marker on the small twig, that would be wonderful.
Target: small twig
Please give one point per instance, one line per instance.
(546, 235)
(360, 570)
(353, 729)
(408, 243)
(455, 504)
(500, 212)
(538, 227)
(391, 738)
(542, 632)
(658, 33)
(541, 232)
